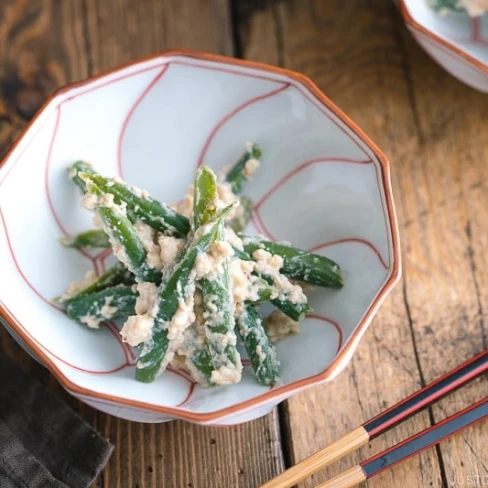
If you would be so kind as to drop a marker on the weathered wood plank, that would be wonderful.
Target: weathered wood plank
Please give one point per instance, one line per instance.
(449, 262)
(43, 45)
(117, 31)
(180, 454)
(362, 58)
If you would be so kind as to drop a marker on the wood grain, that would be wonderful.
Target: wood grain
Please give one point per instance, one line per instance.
(434, 130)
(43, 45)
(351, 477)
(180, 454)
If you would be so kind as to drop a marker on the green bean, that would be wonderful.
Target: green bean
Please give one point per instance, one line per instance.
(205, 197)
(143, 207)
(90, 239)
(201, 360)
(264, 291)
(124, 238)
(198, 356)
(300, 265)
(80, 167)
(236, 177)
(242, 255)
(109, 304)
(244, 212)
(175, 285)
(296, 311)
(116, 275)
(219, 350)
(260, 350)
(445, 5)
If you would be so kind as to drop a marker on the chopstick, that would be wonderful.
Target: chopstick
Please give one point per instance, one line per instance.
(410, 447)
(383, 422)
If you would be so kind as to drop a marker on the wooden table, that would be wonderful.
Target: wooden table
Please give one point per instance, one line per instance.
(435, 132)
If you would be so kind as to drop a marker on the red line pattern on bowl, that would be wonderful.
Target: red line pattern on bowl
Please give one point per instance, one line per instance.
(16, 263)
(476, 34)
(231, 71)
(131, 112)
(67, 363)
(351, 239)
(421, 37)
(245, 363)
(334, 324)
(335, 120)
(191, 388)
(261, 227)
(109, 82)
(303, 166)
(129, 353)
(96, 259)
(234, 112)
(110, 326)
(244, 105)
(93, 259)
(102, 258)
(311, 92)
(444, 45)
(87, 400)
(445, 50)
(190, 393)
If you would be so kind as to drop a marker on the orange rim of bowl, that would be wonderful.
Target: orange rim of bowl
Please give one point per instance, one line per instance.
(410, 21)
(278, 392)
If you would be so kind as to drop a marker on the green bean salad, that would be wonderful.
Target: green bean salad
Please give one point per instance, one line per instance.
(187, 284)
(474, 8)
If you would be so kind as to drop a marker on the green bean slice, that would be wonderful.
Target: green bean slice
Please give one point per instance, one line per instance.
(153, 354)
(261, 352)
(109, 304)
(300, 265)
(236, 177)
(89, 239)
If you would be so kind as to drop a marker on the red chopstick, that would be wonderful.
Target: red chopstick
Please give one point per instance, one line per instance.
(383, 422)
(426, 396)
(410, 447)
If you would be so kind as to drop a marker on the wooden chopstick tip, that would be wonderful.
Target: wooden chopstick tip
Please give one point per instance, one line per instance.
(348, 479)
(320, 460)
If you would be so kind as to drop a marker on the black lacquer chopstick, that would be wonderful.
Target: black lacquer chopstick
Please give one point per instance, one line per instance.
(426, 396)
(383, 422)
(410, 447)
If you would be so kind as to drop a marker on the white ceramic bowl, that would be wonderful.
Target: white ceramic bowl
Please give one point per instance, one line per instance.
(457, 42)
(323, 185)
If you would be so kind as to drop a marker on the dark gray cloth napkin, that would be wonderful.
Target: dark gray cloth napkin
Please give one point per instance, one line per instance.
(43, 443)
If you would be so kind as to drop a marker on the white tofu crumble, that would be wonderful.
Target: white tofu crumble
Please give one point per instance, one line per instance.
(187, 330)
(251, 166)
(108, 310)
(148, 238)
(138, 328)
(474, 8)
(169, 248)
(77, 286)
(90, 320)
(212, 293)
(279, 326)
(270, 265)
